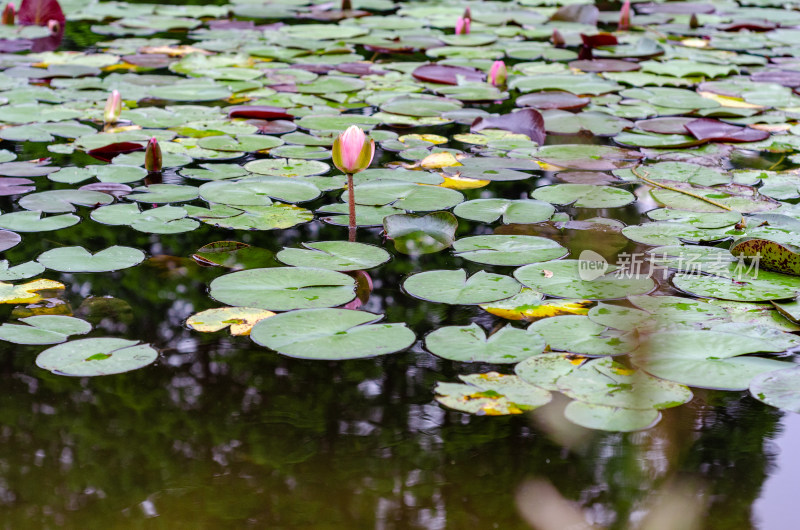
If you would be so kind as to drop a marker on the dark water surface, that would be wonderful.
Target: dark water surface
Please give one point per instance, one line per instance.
(220, 433)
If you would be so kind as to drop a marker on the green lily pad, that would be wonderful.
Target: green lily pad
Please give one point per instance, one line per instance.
(25, 221)
(470, 344)
(419, 234)
(287, 167)
(283, 288)
(605, 418)
(584, 195)
(78, 259)
(331, 334)
(163, 193)
(512, 211)
(258, 191)
(780, 388)
(508, 250)
(578, 334)
(491, 394)
(63, 201)
(44, 329)
(334, 255)
(565, 279)
(92, 357)
(453, 287)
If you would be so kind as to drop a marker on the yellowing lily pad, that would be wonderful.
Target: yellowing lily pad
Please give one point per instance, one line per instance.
(240, 319)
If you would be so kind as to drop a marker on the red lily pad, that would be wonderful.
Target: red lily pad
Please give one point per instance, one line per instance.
(601, 39)
(717, 131)
(446, 74)
(749, 25)
(15, 186)
(40, 12)
(551, 100)
(604, 65)
(259, 112)
(107, 152)
(525, 121)
(672, 125)
(17, 45)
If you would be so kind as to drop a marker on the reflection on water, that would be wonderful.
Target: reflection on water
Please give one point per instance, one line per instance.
(223, 434)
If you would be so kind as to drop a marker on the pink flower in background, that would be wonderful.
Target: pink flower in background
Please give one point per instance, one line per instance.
(625, 17)
(352, 151)
(462, 26)
(9, 14)
(113, 108)
(498, 73)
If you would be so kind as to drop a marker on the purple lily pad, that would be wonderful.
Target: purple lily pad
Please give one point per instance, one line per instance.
(445, 74)
(149, 60)
(31, 168)
(9, 239)
(781, 77)
(15, 186)
(671, 125)
(525, 121)
(676, 8)
(551, 100)
(273, 126)
(112, 188)
(605, 65)
(587, 177)
(717, 131)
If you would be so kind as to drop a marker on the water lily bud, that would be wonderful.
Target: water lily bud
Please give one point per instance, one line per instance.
(347, 5)
(462, 26)
(693, 22)
(625, 17)
(467, 13)
(352, 151)
(9, 14)
(152, 156)
(498, 73)
(53, 26)
(558, 39)
(113, 108)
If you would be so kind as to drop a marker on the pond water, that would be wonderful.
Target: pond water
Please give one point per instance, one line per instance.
(329, 429)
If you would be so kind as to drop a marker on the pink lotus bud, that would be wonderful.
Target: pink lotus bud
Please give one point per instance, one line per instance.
(462, 26)
(9, 14)
(625, 17)
(558, 39)
(498, 73)
(152, 156)
(352, 151)
(54, 26)
(113, 108)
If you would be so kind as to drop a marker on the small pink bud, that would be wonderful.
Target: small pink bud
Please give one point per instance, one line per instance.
(352, 151)
(498, 73)
(9, 14)
(152, 156)
(625, 17)
(558, 39)
(113, 108)
(462, 26)
(53, 26)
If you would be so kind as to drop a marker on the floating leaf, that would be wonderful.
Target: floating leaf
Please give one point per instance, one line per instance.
(578, 334)
(491, 394)
(584, 195)
(566, 280)
(283, 288)
(240, 319)
(453, 287)
(44, 329)
(607, 418)
(28, 293)
(415, 234)
(78, 259)
(334, 255)
(92, 357)
(780, 388)
(470, 344)
(331, 334)
(508, 250)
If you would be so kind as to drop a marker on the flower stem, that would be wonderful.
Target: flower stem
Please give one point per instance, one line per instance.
(351, 200)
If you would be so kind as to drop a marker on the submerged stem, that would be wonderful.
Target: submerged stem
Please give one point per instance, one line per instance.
(679, 190)
(351, 200)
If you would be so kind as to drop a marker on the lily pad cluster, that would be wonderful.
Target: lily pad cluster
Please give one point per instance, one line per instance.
(489, 187)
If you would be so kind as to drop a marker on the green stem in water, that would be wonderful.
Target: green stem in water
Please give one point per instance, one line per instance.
(351, 200)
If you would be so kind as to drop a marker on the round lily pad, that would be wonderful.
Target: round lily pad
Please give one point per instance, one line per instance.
(453, 287)
(100, 356)
(334, 255)
(287, 167)
(578, 334)
(284, 288)
(605, 418)
(584, 195)
(512, 211)
(508, 250)
(78, 259)
(331, 334)
(470, 344)
(580, 279)
(44, 329)
(780, 388)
